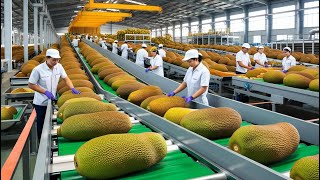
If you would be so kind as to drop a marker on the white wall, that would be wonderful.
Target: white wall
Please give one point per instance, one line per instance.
(112, 28)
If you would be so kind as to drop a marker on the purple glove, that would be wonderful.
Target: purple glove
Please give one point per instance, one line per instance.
(284, 71)
(171, 94)
(148, 69)
(187, 99)
(49, 95)
(252, 68)
(74, 91)
(266, 65)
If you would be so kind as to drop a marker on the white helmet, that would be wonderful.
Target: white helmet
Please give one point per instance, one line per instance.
(144, 45)
(116, 41)
(260, 47)
(287, 48)
(160, 45)
(190, 54)
(246, 45)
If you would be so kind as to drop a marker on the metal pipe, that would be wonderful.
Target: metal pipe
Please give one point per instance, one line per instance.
(45, 32)
(8, 33)
(41, 31)
(35, 28)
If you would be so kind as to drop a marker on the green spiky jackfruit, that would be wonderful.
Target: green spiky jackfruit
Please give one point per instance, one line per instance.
(275, 77)
(78, 76)
(125, 90)
(307, 75)
(115, 85)
(106, 67)
(176, 114)
(297, 81)
(84, 127)
(96, 67)
(265, 143)
(66, 97)
(162, 105)
(146, 102)
(116, 155)
(255, 72)
(107, 78)
(120, 77)
(297, 68)
(87, 107)
(82, 99)
(81, 89)
(136, 97)
(76, 84)
(312, 71)
(306, 168)
(107, 72)
(212, 123)
(314, 85)
(75, 71)
(7, 112)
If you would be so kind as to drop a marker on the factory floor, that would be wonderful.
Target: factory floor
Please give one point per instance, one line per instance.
(7, 145)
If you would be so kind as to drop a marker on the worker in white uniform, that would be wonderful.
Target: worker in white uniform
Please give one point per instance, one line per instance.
(196, 79)
(162, 52)
(115, 47)
(141, 55)
(44, 81)
(288, 61)
(103, 43)
(124, 50)
(260, 58)
(243, 63)
(75, 42)
(156, 62)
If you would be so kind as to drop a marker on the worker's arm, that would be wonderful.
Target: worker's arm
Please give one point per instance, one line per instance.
(68, 82)
(153, 68)
(244, 66)
(33, 80)
(36, 87)
(258, 62)
(202, 90)
(180, 88)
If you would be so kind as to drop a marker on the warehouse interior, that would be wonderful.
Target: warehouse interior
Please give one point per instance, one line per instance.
(110, 89)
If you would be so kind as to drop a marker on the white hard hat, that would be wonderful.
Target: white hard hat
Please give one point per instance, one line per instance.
(192, 53)
(144, 45)
(260, 47)
(116, 41)
(53, 53)
(160, 45)
(287, 48)
(246, 45)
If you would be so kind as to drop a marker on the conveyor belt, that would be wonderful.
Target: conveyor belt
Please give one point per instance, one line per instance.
(283, 166)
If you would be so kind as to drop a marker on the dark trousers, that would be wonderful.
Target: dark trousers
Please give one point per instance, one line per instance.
(41, 114)
(237, 72)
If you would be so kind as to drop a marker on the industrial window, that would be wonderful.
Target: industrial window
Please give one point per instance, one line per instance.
(284, 37)
(238, 24)
(153, 33)
(220, 26)
(206, 27)
(185, 29)
(164, 31)
(311, 16)
(284, 20)
(257, 23)
(195, 27)
(177, 31)
(170, 30)
(257, 39)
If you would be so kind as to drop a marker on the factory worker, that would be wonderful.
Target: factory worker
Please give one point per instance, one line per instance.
(156, 62)
(115, 47)
(162, 52)
(91, 39)
(243, 63)
(87, 36)
(103, 43)
(124, 50)
(141, 55)
(260, 58)
(196, 79)
(288, 61)
(44, 81)
(75, 41)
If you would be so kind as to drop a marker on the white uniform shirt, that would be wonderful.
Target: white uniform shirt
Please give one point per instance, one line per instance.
(157, 61)
(75, 42)
(195, 79)
(47, 79)
(261, 57)
(115, 48)
(103, 45)
(288, 62)
(245, 59)
(141, 54)
(124, 51)
(162, 53)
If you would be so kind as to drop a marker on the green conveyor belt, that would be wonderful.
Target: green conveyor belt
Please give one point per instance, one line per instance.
(261, 80)
(19, 111)
(178, 165)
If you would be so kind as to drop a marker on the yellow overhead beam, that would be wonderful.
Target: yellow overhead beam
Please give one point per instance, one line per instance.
(103, 14)
(91, 5)
(100, 18)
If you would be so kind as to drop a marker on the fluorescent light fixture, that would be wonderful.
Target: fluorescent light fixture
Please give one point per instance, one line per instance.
(115, 10)
(75, 11)
(115, 2)
(80, 6)
(135, 2)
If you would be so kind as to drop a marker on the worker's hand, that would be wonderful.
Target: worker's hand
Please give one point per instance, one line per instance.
(252, 68)
(74, 91)
(284, 71)
(147, 70)
(171, 94)
(188, 99)
(266, 65)
(49, 95)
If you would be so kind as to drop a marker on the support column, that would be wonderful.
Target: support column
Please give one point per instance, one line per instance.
(269, 22)
(161, 31)
(181, 31)
(189, 26)
(167, 31)
(246, 24)
(213, 27)
(45, 33)
(300, 18)
(200, 24)
(41, 30)
(8, 33)
(156, 32)
(174, 31)
(35, 26)
(227, 12)
(2, 34)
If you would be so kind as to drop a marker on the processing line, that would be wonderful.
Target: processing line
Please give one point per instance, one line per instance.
(271, 117)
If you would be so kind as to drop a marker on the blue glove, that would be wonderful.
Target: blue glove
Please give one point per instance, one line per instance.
(187, 99)
(252, 68)
(266, 65)
(284, 71)
(74, 91)
(148, 69)
(49, 95)
(171, 94)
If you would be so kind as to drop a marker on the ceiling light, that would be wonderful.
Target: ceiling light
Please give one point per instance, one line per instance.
(80, 6)
(135, 2)
(115, 10)
(75, 11)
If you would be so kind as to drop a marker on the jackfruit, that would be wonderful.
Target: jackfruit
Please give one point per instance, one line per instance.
(275, 77)
(231, 68)
(312, 71)
(307, 75)
(86, 126)
(255, 72)
(77, 83)
(22, 90)
(115, 85)
(75, 71)
(136, 97)
(105, 67)
(176, 114)
(265, 143)
(78, 76)
(97, 61)
(317, 76)
(185, 65)
(162, 105)
(212, 123)
(297, 68)
(81, 89)
(125, 90)
(69, 67)
(220, 67)
(306, 168)
(74, 100)
(96, 69)
(7, 113)
(114, 155)
(20, 74)
(107, 72)
(107, 78)
(314, 85)
(87, 107)
(66, 97)
(121, 77)
(297, 81)
(146, 102)
(27, 68)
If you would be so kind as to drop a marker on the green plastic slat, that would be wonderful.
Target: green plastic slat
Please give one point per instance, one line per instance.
(19, 111)
(104, 85)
